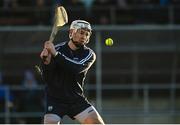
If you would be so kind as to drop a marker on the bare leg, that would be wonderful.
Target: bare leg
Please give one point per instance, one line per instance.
(51, 119)
(93, 118)
(89, 116)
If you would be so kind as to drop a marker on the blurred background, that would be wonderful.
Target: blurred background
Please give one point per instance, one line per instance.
(137, 80)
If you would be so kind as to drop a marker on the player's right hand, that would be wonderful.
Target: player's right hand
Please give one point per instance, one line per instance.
(45, 56)
(44, 53)
(50, 47)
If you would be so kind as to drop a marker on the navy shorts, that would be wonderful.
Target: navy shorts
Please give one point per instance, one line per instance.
(61, 109)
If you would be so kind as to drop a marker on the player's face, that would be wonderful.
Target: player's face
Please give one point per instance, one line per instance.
(81, 36)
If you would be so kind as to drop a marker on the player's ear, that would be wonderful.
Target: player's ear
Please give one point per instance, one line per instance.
(89, 38)
(70, 33)
(90, 33)
(87, 41)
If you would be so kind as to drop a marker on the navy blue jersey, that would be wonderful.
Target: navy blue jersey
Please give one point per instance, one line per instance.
(66, 73)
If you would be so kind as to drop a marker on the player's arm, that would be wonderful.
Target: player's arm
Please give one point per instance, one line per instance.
(47, 61)
(47, 65)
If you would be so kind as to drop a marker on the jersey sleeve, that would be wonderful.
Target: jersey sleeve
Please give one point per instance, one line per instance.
(47, 70)
(75, 66)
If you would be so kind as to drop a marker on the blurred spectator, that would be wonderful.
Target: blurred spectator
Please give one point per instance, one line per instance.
(10, 3)
(40, 3)
(41, 14)
(3, 91)
(76, 2)
(175, 2)
(29, 80)
(104, 20)
(122, 4)
(30, 99)
(88, 5)
(164, 2)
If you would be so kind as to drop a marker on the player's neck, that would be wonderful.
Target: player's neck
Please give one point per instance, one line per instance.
(72, 46)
